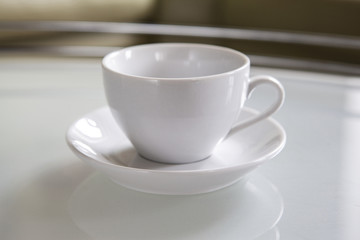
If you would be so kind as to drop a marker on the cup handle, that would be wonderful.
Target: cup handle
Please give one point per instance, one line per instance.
(254, 82)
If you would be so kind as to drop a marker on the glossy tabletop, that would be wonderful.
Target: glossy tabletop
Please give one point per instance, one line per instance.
(311, 190)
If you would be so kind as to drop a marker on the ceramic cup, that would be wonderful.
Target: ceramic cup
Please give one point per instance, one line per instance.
(177, 101)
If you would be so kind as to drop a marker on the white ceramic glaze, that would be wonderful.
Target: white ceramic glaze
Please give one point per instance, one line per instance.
(176, 102)
(97, 140)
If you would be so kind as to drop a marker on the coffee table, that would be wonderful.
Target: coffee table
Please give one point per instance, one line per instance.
(309, 191)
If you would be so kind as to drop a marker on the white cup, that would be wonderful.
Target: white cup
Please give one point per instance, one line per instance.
(177, 101)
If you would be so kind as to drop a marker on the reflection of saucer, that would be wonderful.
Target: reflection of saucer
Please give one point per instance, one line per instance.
(104, 210)
(98, 141)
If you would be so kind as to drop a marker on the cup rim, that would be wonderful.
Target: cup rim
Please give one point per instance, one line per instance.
(209, 46)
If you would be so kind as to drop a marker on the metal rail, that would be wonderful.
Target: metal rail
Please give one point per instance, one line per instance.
(180, 30)
(341, 42)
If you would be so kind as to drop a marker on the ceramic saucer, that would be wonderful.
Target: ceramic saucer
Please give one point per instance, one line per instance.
(98, 141)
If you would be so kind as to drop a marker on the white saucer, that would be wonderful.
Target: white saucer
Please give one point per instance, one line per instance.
(97, 139)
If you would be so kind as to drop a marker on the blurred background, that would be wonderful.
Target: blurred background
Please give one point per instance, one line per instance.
(322, 35)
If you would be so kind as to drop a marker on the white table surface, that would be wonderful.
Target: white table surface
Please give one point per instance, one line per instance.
(317, 174)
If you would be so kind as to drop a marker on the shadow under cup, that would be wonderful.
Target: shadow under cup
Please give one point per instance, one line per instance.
(176, 101)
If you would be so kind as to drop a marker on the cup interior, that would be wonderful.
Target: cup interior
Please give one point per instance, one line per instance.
(174, 60)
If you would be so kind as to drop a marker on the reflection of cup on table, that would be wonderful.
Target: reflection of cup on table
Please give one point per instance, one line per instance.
(177, 101)
(245, 210)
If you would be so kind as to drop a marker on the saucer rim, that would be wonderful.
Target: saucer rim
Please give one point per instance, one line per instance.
(253, 163)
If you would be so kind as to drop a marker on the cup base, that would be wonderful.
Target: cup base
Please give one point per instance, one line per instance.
(174, 162)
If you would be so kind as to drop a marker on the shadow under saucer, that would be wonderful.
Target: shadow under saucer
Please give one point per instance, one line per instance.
(245, 210)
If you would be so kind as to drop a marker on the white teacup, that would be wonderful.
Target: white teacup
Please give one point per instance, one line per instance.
(177, 101)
